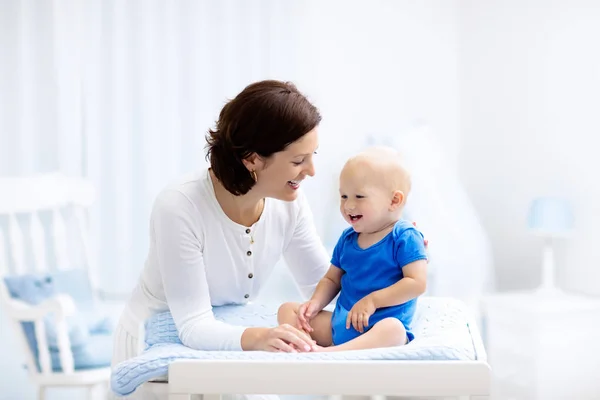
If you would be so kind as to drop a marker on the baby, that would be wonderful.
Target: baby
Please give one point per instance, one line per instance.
(379, 264)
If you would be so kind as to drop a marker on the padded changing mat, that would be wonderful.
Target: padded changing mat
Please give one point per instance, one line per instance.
(441, 328)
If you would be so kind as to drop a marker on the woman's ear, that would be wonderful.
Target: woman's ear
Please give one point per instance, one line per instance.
(253, 162)
(397, 200)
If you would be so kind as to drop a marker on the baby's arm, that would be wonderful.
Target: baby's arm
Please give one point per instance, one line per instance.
(389, 331)
(327, 288)
(411, 256)
(309, 316)
(412, 285)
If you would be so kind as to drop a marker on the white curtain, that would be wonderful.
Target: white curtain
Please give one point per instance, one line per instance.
(123, 92)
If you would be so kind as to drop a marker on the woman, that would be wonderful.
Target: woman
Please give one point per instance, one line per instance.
(216, 236)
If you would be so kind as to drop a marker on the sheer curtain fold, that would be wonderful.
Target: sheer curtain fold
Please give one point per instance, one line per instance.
(123, 93)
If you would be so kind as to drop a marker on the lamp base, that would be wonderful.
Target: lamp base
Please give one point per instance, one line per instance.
(548, 273)
(549, 291)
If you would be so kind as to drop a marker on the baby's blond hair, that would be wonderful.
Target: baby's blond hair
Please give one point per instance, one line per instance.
(385, 167)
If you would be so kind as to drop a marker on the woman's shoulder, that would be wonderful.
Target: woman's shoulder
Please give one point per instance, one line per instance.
(183, 193)
(193, 181)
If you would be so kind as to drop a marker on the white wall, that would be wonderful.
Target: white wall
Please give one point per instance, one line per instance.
(530, 97)
(376, 70)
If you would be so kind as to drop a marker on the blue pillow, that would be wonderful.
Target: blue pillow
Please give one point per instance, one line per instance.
(35, 288)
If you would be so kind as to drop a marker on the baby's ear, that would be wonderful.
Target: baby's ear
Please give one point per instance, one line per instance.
(397, 200)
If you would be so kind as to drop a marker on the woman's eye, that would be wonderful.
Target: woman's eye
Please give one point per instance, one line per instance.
(296, 163)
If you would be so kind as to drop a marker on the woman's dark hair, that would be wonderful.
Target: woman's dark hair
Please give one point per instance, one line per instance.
(264, 119)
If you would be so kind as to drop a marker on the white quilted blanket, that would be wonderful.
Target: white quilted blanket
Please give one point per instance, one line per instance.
(441, 328)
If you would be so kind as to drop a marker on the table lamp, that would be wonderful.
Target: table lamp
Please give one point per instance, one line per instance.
(550, 218)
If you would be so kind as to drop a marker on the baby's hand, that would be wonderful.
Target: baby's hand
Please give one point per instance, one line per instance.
(306, 312)
(359, 315)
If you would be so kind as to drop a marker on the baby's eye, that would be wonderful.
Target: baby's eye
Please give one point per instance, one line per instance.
(344, 196)
(360, 196)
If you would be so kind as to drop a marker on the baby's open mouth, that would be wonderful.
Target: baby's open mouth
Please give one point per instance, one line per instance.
(355, 217)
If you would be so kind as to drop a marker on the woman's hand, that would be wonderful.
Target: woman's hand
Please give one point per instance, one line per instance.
(425, 241)
(283, 338)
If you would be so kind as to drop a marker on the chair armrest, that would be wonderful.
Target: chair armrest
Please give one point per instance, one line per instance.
(60, 307)
(105, 295)
(61, 304)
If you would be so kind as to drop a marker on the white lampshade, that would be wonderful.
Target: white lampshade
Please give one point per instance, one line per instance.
(550, 217)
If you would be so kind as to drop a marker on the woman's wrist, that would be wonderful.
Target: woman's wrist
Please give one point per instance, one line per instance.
(252, 337)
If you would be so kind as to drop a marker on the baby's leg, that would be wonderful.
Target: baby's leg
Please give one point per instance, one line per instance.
(321, 323)
(388, 332)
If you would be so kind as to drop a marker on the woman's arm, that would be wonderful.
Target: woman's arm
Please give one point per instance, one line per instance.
(181, 264)
(305, 254)
(183, 273)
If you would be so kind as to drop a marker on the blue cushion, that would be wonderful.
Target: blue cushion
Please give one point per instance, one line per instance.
(96, 353)
(88, 330)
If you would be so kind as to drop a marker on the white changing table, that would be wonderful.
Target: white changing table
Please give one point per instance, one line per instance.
(466, 380)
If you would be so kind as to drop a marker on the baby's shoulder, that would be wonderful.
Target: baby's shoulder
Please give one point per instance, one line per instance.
(409, 243)
(347, 234)
(405, 231)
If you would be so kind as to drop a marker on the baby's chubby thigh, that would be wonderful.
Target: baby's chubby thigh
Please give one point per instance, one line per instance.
(339, 333)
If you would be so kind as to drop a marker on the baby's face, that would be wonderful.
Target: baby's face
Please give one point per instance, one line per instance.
(364, 202)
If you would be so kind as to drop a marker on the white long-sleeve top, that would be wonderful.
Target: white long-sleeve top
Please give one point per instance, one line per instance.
(199, 258)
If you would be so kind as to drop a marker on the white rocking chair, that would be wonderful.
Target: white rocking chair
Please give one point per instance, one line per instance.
(31, 197)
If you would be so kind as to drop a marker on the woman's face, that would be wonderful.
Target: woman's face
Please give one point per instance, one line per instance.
(281, 175)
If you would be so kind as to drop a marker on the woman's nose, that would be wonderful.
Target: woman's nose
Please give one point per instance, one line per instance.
(310, 169)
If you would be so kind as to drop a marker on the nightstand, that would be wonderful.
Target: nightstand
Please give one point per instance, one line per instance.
(543, 346)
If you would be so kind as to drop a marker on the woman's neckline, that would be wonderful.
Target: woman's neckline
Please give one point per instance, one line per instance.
(213, 196)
